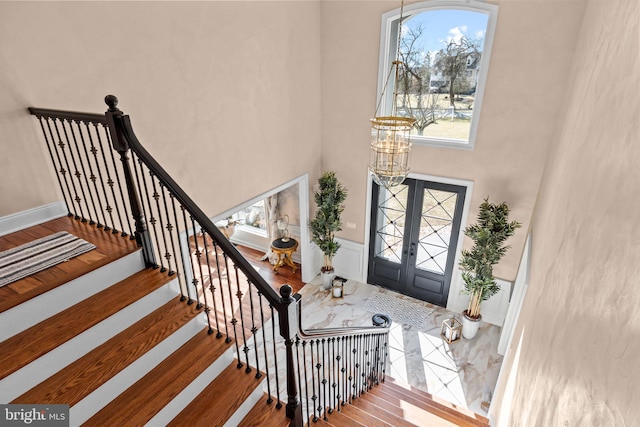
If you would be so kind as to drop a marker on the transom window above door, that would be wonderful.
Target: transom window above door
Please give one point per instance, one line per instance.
(445, 46)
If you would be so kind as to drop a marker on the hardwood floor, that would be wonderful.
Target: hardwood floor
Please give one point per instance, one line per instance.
(276, 279)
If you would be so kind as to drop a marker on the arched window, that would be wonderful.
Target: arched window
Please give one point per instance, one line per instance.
(445, 46)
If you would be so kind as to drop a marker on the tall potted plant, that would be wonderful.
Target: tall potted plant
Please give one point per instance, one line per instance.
(489, 235)
(329, 198)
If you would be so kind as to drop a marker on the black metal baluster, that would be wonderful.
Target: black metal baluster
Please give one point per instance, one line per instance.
(306, 379)
(198, 254)
(105, 167)
(358, 373)
(245, 348)
(298, 366)
(234, 321)
(156, 197)
(275, 356)
(94, 151)
(55, 166)
(221, 288)
(170, 227)
(110, 184)
(194, 280)
(314, 397)
(212, 289)
(153, 220)
(340, 369)
(124, 201)
(92, 176)
(386, 357)
(324, 379)
(333, 374)
(367, 375)
(264, 345)
(318, 367)
(254, 331)
(182, 278)
(207, 309)
(354, 368)
(67, 168)
(80, 176)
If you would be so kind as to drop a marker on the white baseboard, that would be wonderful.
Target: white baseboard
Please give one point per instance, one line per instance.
(30, 217)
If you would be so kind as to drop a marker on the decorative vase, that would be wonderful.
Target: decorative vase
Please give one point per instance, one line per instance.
(327, 278)
(470, 326)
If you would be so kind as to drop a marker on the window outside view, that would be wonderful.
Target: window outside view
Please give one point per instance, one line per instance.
(252, 217)
(439, 86)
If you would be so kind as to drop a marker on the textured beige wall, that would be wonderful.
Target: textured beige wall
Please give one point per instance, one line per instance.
(579, 331)
(279, 88)
(225, 94)
(532, 51)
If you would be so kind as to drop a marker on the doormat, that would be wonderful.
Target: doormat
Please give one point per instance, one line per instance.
(40, 254)
(400, 310)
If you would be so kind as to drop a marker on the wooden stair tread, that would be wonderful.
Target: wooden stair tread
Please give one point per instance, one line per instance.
(27, 346)
(264, 414)
(216, 403)
(144, 399)
(407, 389)
(109, 247)
(422, 405)
(353, 411)
(381, 411)
(407, 412)
(339, 418)
(79, 379)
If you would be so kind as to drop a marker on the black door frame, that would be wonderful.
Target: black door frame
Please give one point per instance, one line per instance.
(467, 190)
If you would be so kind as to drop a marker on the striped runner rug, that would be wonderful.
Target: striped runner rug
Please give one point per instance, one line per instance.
(40, 254)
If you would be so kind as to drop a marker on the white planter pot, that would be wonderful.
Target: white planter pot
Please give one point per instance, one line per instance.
(327, 278)
(470, 326)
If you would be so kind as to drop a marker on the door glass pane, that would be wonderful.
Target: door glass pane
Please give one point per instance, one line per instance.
(438, 208)
(392, 211)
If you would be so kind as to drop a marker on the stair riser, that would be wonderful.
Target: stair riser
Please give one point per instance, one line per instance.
(42, 307)
(40, 369)
(173, 408)
(244, 409)
(91, 404)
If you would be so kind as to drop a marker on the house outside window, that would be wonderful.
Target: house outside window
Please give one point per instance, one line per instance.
(446, 47)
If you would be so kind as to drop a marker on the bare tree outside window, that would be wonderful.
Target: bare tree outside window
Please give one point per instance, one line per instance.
(444, 56)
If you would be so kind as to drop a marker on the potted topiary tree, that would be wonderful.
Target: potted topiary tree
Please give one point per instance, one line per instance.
(489, 235)
(329, 198)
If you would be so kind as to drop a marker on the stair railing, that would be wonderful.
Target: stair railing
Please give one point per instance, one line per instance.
(137, 199)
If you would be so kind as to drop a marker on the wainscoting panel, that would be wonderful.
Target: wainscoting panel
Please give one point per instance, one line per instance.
(493, 310)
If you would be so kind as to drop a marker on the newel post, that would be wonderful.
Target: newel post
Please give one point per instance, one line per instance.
(119, 141)
(288, 327)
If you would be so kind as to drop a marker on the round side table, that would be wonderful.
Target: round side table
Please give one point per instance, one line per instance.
(284, 250)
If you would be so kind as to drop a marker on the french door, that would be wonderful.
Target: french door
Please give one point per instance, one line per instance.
(414, 232)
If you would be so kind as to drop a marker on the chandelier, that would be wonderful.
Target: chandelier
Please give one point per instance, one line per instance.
(390, 142)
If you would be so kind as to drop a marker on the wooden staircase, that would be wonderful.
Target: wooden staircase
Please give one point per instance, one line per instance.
(392, 404)
(116, 343)
(123, 352)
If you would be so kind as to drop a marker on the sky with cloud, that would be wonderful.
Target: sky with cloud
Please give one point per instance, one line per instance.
(442, 26)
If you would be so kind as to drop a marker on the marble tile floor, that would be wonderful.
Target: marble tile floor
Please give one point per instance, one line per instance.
(463, 372)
